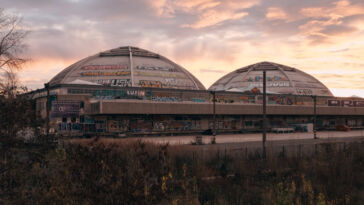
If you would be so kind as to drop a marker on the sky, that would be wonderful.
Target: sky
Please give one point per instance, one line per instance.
(209, 38)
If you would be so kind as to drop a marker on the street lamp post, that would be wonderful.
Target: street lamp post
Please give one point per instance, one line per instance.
(314, 116)
(264, 112)
(214, 115)
(46, 86)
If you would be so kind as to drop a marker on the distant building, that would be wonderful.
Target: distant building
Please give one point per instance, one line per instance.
(129, 90)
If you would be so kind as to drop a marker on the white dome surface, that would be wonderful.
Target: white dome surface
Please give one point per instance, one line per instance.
(128, 67)
(280, 79)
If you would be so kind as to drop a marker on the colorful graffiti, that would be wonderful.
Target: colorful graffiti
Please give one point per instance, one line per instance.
(119, 94)
(171, 81)
(272, 81)
(105, 67)
(308, 85)
(271, 84)
(63, 126)
(166, 99)
(118, 125)
(345, 103)
(280, 100)
(244, 99)
(269, 78)
(156, 68)
(114, 82)
(198, 100)
(304, 91)
(166, 75)
(99, 73)
(150, 84)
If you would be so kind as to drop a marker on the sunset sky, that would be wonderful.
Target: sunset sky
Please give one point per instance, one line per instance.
(210, 38)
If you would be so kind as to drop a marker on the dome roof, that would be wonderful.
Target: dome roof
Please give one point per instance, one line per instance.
(128, 67)
(280, 79)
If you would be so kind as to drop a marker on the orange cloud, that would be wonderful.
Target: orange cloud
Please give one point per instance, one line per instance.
(338, 9)
(329, 25)
(274, 13)
(208, 12)
(213, 17)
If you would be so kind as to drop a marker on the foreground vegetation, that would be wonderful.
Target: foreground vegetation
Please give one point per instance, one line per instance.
(43, 172)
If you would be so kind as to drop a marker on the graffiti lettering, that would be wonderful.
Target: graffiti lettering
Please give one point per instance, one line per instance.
(150, 84)
(114, 82)
(305, 85)
(269, 78)
(345, 103)
(156, 68)
(171, 81)
(120, 73)
(271, 84)
(166, 75)
(304, 91)
(105, 67)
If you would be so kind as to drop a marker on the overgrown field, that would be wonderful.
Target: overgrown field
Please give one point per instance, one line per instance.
(138, 173)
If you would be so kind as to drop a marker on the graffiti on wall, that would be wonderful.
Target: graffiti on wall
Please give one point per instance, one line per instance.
(156, 68)
(119, 94)
(114, 82)
(171, 81)
(105, 67)
(65, 108)
(244, 99)
(308, 85)
(166, 75)
(99, 73)
(304, 91)
(166, 99)
(270, 84)
(150, 84)
(280, 100)
(272, 81)
(135, 93)
(346, 103)
(118, 125)
(269, 78)
(163, 97)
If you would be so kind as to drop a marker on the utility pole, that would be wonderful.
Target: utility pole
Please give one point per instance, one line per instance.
(46, 85)
(314, 116)
(264, 112)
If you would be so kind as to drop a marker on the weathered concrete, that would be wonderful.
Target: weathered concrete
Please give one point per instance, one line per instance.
(149, 107)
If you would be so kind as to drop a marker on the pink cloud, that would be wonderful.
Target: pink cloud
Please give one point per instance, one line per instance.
(274, 13)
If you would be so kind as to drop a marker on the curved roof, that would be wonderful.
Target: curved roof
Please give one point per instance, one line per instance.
(280, 79)
(128, 67)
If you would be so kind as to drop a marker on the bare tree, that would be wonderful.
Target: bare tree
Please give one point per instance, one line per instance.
(16, 111)
(11, 48)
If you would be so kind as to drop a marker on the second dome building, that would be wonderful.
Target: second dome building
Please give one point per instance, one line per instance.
(280, 80)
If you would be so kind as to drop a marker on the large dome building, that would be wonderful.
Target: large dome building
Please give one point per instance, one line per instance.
(280, 80)
(130, 91)
(128, 67)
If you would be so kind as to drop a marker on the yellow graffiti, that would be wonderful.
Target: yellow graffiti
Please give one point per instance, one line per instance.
(150, 84)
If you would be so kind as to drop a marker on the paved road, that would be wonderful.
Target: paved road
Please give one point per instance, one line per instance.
(292, 143)
(257, 137)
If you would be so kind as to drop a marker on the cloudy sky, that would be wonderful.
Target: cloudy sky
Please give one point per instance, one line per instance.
(210, 38)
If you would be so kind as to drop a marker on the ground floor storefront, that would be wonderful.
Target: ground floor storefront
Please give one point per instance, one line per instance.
(185, 124)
